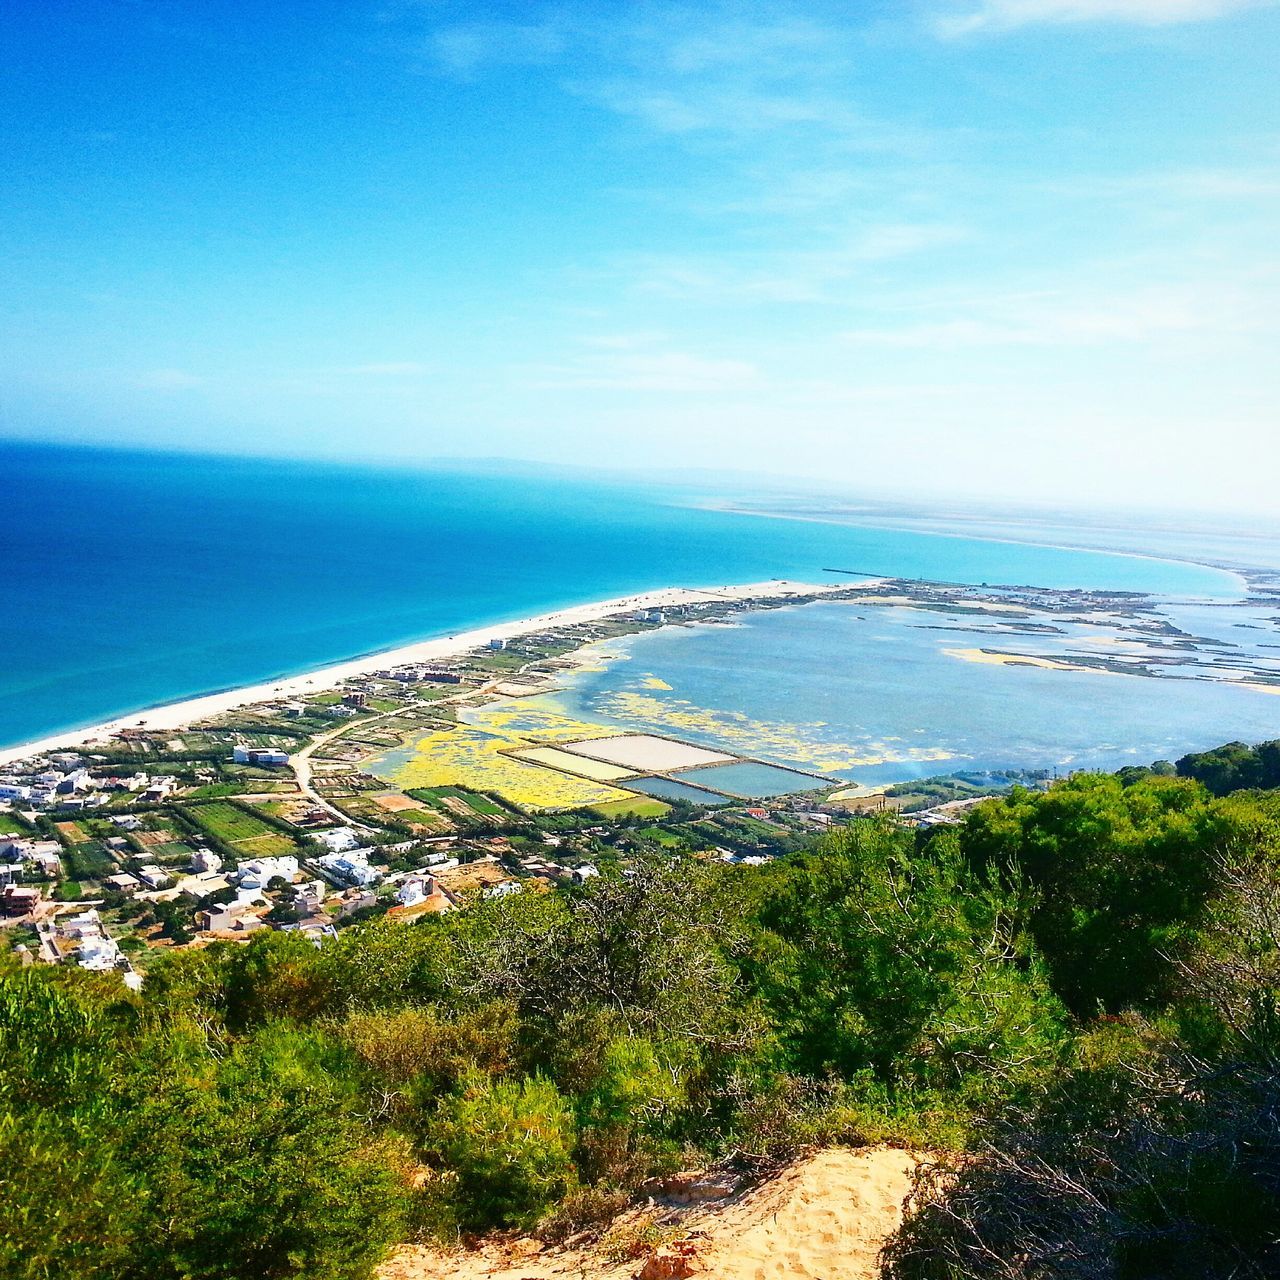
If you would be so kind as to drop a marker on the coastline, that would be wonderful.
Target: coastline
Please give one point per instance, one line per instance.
(177, 715)
(1235, 571)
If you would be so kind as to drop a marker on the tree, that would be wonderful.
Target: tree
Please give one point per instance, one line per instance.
(872, 959)
(255, 1165)
(1116, 878)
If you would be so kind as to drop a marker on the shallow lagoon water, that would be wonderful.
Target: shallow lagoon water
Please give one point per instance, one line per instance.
(750, 780)
(872, 695)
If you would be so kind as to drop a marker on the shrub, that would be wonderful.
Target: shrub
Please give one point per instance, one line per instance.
(509, 1144)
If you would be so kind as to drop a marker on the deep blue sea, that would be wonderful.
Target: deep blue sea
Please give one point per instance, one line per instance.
(133, 579)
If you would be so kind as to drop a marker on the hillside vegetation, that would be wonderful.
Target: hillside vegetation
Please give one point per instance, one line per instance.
(1076, 991)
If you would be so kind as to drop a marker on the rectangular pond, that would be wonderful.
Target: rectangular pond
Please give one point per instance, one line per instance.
(749, 780)
(666, 789)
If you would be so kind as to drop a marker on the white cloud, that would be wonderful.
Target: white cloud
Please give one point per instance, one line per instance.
(466, 49)
(1006, 14)
(1200, 184)
(1058, 319)
(795, 276)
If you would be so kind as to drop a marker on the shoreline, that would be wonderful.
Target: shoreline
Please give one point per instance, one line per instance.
(1236, 571)
(181, 713)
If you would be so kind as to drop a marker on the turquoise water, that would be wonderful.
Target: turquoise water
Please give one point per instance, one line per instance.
(666, 789)
(749, 780)
(870, 694)
(133, 579)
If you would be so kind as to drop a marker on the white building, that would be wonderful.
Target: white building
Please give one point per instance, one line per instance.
(159, 788)
(205, 860)
(14, 791)
(504, 889)
(263, 757)
(308, 898)
(351, 868)
(76, 780)
(415, 889)
(338, 839)
(154, 877)
(265, 870)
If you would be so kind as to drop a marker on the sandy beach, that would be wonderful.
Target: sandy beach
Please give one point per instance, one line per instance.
(177, 715)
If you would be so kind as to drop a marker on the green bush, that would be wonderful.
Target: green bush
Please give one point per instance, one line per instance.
(509, 1143)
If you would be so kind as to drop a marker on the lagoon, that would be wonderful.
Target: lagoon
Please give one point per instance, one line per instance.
(881, 694)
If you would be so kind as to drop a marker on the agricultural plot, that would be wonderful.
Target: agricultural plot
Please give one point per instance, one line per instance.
(171, 854)
(265, 846)
(453, 797)
(11, 826)
(636, 807)
(156, 836)
(668, 839)
(425, 821)
(478, 760)
(88, 861)
(248, 834)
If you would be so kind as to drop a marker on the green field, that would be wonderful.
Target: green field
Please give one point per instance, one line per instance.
(217, 789)
(231, 823)
(640, 807)
(11, 826)
(266, 846)
(428, 817)
(481, 804)
(668, 839)
(173, 852)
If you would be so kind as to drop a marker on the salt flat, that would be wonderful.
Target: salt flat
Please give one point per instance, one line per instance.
(570, 762)
(646, 753)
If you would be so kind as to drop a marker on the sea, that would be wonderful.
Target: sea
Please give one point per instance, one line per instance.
(133, 579)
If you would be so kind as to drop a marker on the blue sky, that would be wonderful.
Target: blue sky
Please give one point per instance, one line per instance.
(1027, 247)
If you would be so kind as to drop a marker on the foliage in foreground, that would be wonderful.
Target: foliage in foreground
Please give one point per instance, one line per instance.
(1069, 970)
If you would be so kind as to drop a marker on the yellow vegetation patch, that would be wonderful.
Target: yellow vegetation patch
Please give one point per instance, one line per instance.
(796, 744)
(478, 759)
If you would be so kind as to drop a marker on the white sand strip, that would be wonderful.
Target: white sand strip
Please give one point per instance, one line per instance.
(177, 715)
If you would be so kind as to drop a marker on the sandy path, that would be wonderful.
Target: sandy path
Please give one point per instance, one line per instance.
(823, 1218)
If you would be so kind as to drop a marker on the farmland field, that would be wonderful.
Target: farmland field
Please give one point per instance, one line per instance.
(481, 804)
(265, 846)
(638, 807)
(250, 835)
(11, 826)
(171, 851)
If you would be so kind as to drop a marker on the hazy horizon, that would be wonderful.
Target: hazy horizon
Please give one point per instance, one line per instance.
(1011, 251)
